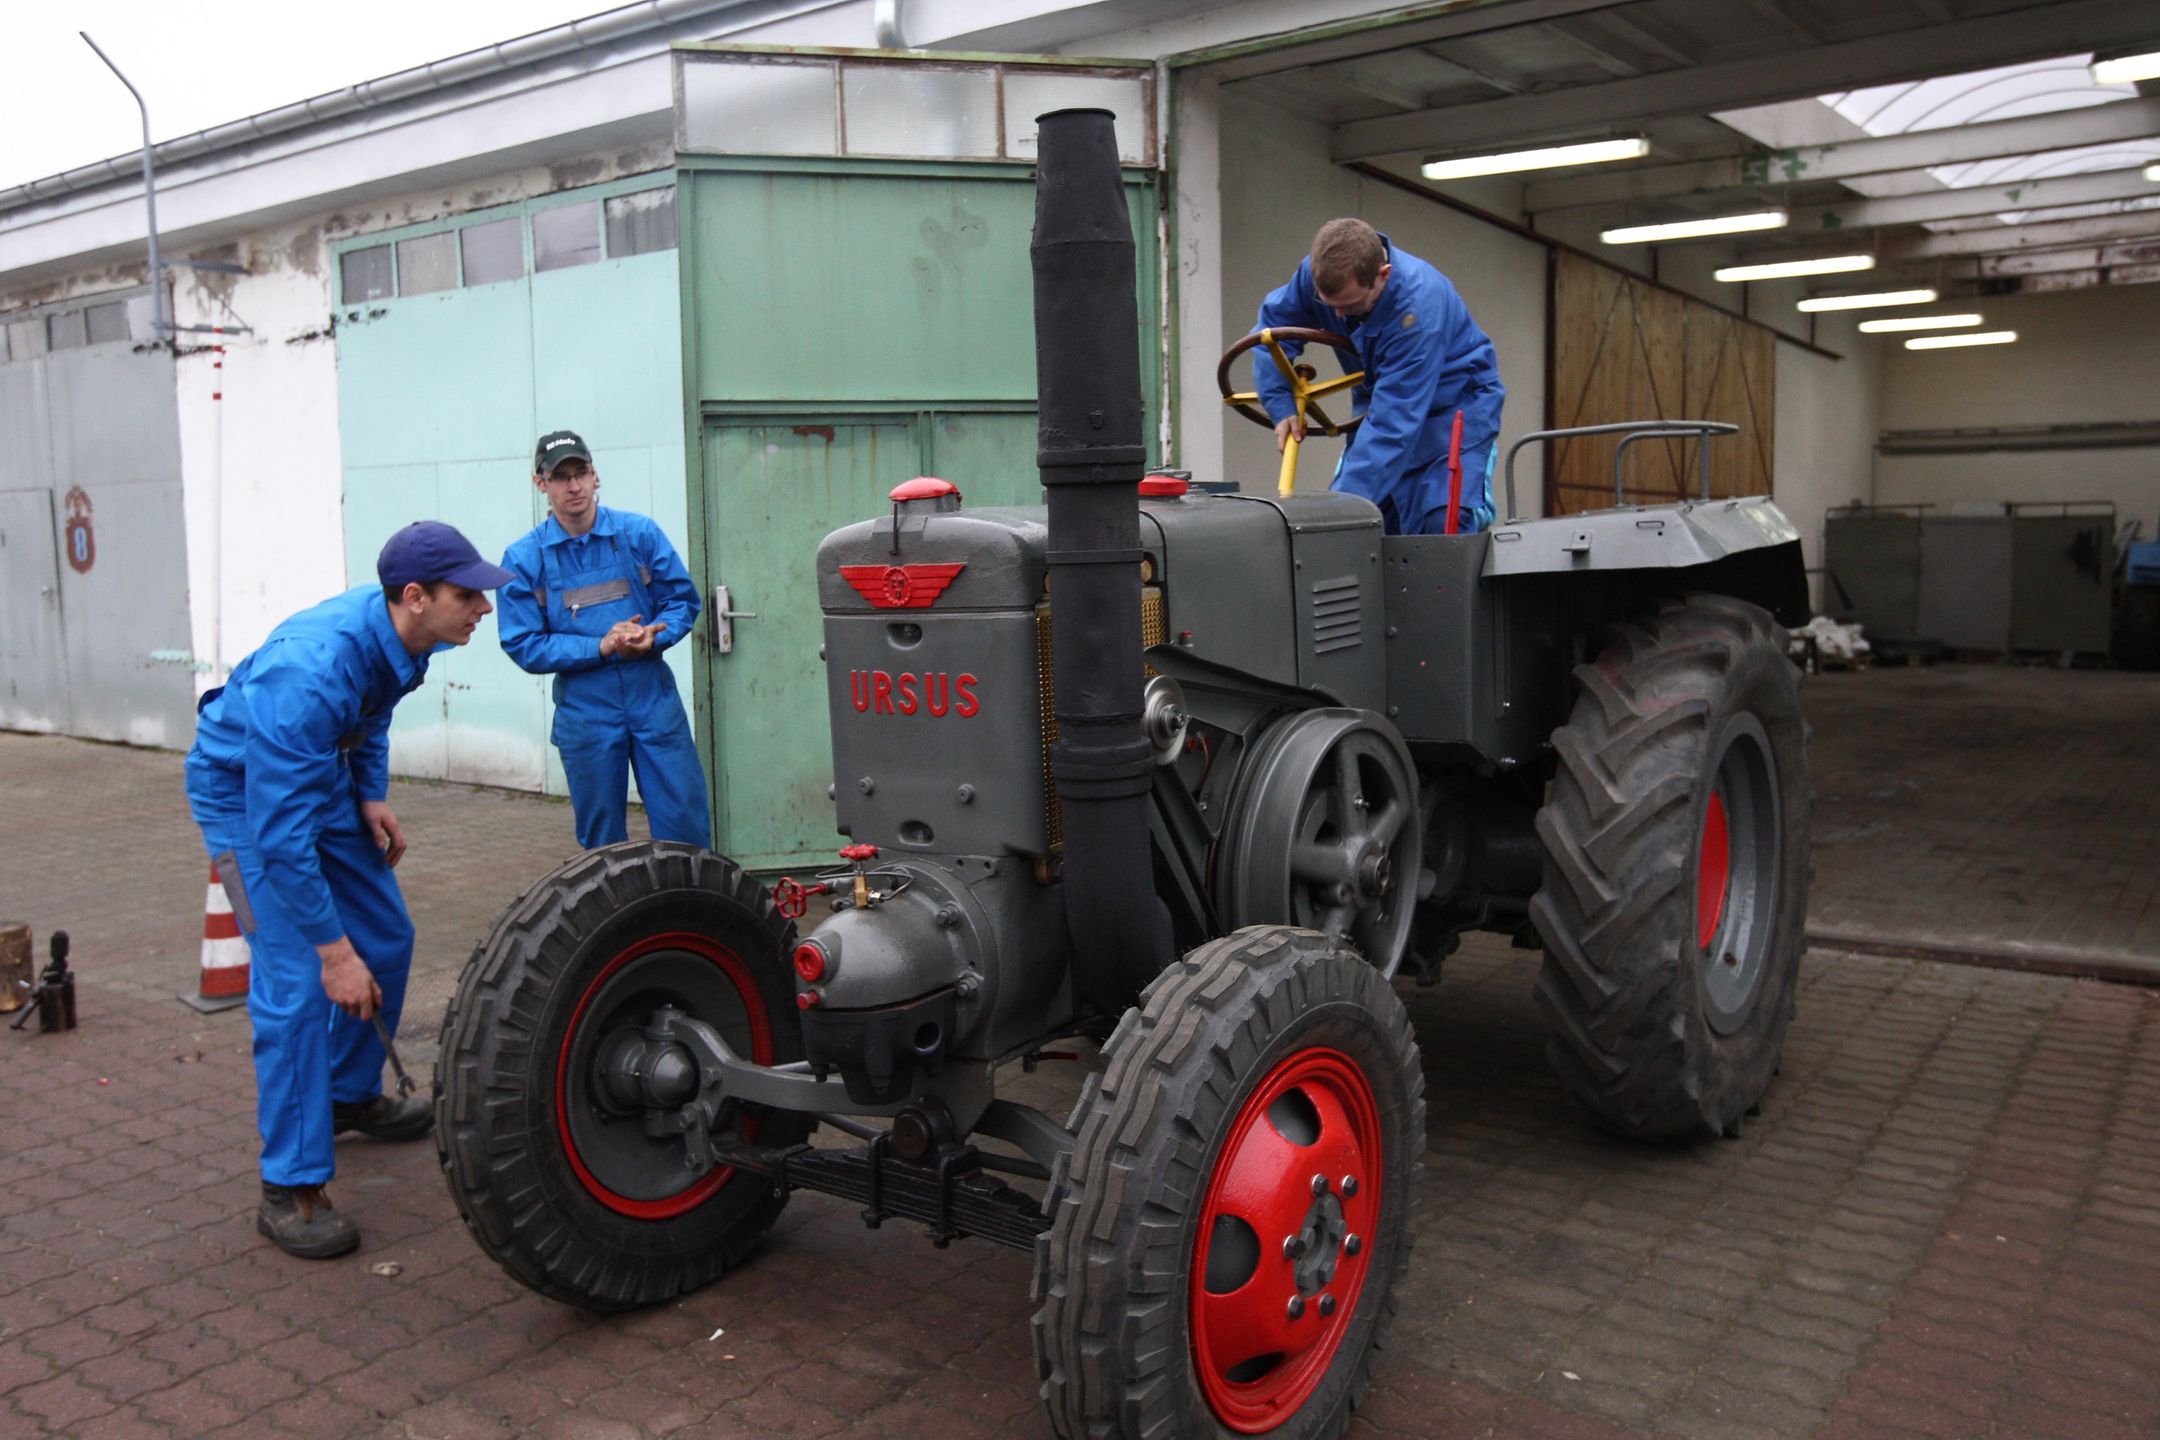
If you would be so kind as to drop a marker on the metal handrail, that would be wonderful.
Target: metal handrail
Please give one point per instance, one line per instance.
(1635, 430)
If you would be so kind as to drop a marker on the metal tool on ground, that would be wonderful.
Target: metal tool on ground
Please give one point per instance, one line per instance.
(405, 1084)
(1193, 776)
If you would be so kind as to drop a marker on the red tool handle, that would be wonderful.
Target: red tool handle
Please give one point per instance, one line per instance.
(1454, 476)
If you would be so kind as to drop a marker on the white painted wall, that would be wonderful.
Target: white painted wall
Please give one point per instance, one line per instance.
(1826, 424)
(2082, 357)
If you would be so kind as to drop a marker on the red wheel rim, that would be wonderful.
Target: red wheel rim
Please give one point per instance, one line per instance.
(1272, 1242)
(753, 1004)
(1713, 870)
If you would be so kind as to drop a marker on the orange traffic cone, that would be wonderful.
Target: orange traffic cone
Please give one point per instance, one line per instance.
(224, 981)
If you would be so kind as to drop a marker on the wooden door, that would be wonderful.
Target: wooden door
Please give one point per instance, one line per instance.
(1623, 349)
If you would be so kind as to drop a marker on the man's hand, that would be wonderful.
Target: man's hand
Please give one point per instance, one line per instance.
(640, 643)
(347, 980)
(630, 640)
(619, 636)
(1285, 426)
(389, 835)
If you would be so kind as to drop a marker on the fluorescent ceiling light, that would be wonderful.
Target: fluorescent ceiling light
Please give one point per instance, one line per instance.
(1788, 269)
(2127, 69)
(2152, 171)
(1947, 342)
(1919, 322)
(1550, 157)
(1695, 229)
(1874, 300)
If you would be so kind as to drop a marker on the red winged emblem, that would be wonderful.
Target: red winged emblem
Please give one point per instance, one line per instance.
(901, 587)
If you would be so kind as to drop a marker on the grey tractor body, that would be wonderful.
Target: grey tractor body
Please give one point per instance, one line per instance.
(1257, 607)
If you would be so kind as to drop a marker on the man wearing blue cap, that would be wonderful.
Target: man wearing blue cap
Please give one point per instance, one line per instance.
(288, 780)
(587, 579)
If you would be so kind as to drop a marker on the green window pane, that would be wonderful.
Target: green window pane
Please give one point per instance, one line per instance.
(26, 339)
(641, 223)
(427, 263)
(67, 331)
(364, 274)
(916, 112)
(566, 235)
(760, 108)
(494, 251)
(108, 322)
(1030, 95)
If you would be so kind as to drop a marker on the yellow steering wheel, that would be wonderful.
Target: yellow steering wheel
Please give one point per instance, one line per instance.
(1303, 391)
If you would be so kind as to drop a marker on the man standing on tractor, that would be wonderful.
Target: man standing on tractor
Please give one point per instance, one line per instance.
(585, 579)
(289, 781)
(1425, 363)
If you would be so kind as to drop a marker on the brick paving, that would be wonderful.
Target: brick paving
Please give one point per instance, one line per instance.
(1946, 1223)
(2003, 813)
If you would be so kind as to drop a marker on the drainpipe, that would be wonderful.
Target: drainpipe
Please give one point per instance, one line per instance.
(1087, 366)
(885, 25)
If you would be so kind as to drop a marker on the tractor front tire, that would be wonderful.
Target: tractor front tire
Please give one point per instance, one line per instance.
(1229, 1228)
(1676, 870)
(574, 1198)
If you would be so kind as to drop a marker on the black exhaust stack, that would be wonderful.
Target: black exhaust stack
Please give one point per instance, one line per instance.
(1090, 452)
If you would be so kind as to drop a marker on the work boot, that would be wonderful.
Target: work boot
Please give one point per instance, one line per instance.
(406, 1118)
(300, 1220)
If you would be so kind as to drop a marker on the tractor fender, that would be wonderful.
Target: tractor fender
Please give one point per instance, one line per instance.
(1744, 547)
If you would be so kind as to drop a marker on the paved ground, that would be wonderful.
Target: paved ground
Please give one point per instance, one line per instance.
(2000, 812)
(1945, 1223)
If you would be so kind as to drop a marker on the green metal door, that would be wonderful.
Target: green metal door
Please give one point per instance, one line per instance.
(848, 325)
(786, 485)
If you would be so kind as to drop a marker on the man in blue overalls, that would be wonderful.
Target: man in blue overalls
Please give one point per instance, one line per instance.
(585, 580)
(1424, 360)
(288, 780)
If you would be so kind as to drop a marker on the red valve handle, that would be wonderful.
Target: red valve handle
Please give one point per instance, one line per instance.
(792, 898)
(858, 853)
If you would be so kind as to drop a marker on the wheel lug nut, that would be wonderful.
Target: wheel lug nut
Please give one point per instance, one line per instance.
(1327, 1305)
(1349, 1185)
(1292, 1247)
(1351, 1244)
(1319, 1184)
(1297, 1306)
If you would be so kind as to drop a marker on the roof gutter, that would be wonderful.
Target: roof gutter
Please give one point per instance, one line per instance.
(576, 38)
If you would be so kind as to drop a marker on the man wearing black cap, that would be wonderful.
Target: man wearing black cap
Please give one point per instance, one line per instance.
(599, 594)
(288, 780)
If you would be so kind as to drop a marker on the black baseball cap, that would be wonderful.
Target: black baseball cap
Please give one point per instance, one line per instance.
(428, 550)
(557, 446)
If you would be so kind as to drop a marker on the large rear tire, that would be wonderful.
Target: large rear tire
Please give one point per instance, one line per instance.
(1676, 870)
(573, 1196)
(1230, 1226)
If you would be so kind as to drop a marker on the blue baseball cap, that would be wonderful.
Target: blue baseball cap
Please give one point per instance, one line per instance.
(428, 550)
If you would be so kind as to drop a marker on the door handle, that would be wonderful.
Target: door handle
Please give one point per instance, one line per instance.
(724, 617)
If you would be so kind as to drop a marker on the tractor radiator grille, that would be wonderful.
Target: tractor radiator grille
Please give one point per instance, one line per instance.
(1335, 614)
(1153, 631)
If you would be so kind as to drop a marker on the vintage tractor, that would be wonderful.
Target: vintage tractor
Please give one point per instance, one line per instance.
(1195, 776)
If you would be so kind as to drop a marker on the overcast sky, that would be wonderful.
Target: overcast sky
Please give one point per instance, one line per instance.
(200, 64)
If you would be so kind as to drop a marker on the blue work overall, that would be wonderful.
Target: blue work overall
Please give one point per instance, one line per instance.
(1424, 359)
(612, 715)
(285, 752)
